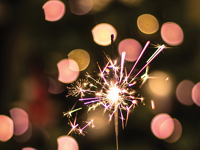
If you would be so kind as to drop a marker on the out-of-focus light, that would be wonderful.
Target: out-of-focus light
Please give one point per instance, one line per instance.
(67, 69)
(20, 119)
(162, 126)
(131, 3)
(25, 136)
(184, 92)
(80, 7)
(81, 57)
(147, 24)
(28, 148)
(55, 87)
(158, 84)
(6, 128)
(102, 34)
(132, 48)
(196, 94)
(67, 143)
(172, 33)
(54, 10)
(176, 133)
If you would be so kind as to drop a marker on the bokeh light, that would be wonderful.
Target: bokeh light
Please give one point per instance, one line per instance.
(80, 7)
(6, 128)
(162, 126)
(25, 136)
(81, 57)
(28, 148)
(184, 92)
(172, 33)
(132, 48)
(159, 85)
(20, 119)
(175, 136)
(54, 10)
(147, 24)
(102, 34)
(196, 94)
(67, 69)
(67, 143)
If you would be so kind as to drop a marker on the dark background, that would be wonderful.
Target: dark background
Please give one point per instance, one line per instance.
(27, 40)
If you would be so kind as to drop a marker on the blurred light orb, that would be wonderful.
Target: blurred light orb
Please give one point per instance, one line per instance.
(6, 128)
(176, 133)
(54, 10)
(80, 7)
(184, 92)
(196, 94)
(172, 33)
(132, 48)
(158, 85)
(102, 34)
(28, 148)
(25, 136)
(162, 126)
(147, 24)
(67, 69)
(20, 119)
(81, 57)
(67, 143)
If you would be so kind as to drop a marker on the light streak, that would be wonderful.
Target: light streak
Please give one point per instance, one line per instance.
(69, 113)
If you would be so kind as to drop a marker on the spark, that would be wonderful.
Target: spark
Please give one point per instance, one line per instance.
(152, 104)
(69, 113)
(113, 88)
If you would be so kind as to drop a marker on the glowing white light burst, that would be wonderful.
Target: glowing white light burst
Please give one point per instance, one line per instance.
(113, 89)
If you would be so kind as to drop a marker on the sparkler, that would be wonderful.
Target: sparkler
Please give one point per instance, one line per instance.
(113, 89)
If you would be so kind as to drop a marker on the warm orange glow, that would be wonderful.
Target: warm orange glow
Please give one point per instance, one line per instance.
(162, 126)
(102, 34)
(20, 119)
(80, 7)
(172, 33)
(81, 57)
(183, 92)
(147, 24)
(67, 143)
(132, 48)
(67, 70)
(54, 10)
(158, 85)
(6, 128)
(196, 94)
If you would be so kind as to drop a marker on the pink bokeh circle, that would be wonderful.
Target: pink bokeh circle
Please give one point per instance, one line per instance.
(132, 48)
(196, 94)
(54, 10)
(68, 70)
(172, 33)
(162, 126)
